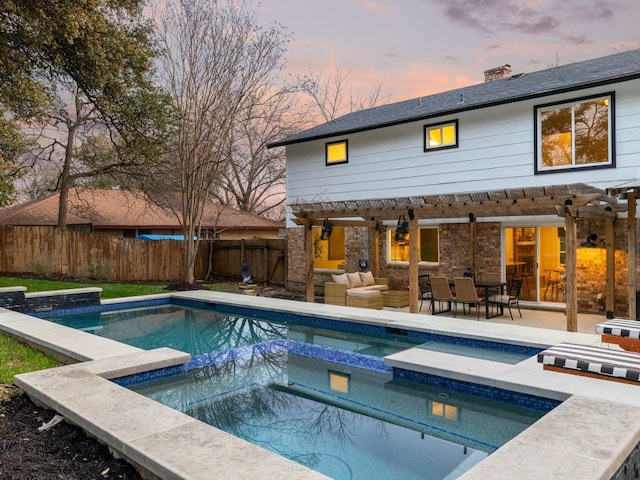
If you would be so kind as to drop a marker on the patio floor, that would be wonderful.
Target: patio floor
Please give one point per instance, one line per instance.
(531, 317)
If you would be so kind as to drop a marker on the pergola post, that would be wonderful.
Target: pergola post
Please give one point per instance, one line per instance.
(631, 242)
(610, 298)
(308, 260)
(413, 262)
(374, 248)
(473, 238)
(571, 284)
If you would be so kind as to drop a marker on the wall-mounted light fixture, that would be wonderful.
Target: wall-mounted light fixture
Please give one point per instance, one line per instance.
(402, 229)
(590, 242)
(327, 228)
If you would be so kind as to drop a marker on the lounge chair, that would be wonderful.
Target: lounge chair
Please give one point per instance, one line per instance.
(592, 361)
(625, 333)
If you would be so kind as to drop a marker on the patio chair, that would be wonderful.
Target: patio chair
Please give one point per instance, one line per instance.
(512, 297)
(466, 294)
(554, 280)
(441, 292)
(488, 277)
(424, 282)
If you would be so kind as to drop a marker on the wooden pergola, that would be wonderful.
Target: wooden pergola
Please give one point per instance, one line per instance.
(569, 201)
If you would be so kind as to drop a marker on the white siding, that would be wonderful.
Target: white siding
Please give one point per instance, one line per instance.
(496, 150)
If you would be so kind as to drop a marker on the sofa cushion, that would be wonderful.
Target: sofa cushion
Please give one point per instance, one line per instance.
(592, 359)
(367, 279)
(362, 292)
(379, 288)
(341, 279)
(620, 328)
(354, 280)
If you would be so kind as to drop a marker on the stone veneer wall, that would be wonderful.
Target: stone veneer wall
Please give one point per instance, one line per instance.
(46, 301)
(630, 469)
(454, 259)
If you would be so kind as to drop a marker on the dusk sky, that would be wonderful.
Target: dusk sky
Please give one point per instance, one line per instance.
(419, 47)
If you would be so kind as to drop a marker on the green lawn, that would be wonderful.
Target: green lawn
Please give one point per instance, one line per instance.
(109, 289)
(17, 358)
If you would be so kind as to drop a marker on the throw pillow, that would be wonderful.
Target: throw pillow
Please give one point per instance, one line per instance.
(366, 278)
(341, 279)
(354, 280)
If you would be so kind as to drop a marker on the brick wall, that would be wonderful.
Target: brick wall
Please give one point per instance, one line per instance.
(455, 258)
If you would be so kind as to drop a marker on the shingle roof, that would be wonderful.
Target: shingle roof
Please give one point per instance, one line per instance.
(113, 208)
(599, 71)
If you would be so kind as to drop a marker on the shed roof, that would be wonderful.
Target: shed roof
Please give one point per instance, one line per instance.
(115, 208)
(589, 73)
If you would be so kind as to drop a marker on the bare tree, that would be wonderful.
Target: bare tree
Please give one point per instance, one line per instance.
(333, 97)
(253, 180)
(216, 60)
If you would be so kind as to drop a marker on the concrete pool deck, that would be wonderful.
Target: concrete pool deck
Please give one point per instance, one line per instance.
(588, 437)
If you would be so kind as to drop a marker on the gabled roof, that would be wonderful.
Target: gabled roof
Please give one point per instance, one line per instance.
(615, 68)
(114, 208)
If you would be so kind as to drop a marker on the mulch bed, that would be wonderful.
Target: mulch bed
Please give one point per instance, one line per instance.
(63, 452)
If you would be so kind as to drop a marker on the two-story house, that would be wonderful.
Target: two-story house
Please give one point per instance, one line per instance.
(518, 175)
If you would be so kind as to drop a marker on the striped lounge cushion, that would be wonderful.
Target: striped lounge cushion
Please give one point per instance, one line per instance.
(619, 328)
(586, 358)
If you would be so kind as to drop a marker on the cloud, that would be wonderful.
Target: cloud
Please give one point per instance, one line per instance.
(529, 17)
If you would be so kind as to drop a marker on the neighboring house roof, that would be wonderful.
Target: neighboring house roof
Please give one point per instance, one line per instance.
(615, 68)
(115, 208)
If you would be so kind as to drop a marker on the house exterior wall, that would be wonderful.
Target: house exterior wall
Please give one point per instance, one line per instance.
(496, 145)
(496, 150)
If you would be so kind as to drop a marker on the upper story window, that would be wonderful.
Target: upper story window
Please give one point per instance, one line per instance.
(441, 135)
(428, 246)
(576, 134)
(337, 152)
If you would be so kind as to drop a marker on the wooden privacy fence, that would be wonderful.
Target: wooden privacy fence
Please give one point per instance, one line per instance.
(266, 258)
(48, 251)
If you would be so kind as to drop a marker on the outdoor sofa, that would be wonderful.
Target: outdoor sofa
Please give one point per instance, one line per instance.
(358, 289)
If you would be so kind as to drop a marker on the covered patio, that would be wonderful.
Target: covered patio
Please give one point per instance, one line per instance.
(571, 202)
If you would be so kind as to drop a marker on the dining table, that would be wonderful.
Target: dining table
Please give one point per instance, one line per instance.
(489, 287)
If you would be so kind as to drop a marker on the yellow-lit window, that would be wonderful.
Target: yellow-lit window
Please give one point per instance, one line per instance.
(576, 134)
(428, 246)
(337, 152)
(328, 253)
(440, 135)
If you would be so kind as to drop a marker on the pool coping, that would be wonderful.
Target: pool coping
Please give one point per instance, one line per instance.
(586, 447)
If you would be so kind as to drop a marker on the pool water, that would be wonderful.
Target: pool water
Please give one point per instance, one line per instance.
(345, 423)
(321, 396)
(202, 330)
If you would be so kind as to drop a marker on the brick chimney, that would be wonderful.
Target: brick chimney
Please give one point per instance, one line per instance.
(497, 73)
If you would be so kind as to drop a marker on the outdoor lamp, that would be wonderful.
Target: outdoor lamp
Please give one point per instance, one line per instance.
(402, 229)
(590, 242)
(327, 228)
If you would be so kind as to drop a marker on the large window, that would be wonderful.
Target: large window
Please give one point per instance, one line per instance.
(440, 135)
(428, 250)
(578, 134)
(337, 152)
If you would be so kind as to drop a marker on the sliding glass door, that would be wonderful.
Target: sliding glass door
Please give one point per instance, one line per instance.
(536, 254)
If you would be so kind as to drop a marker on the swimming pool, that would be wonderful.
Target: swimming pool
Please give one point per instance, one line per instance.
(198, 329)
(321, 397)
